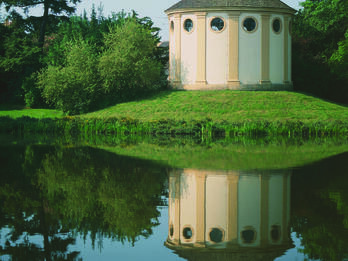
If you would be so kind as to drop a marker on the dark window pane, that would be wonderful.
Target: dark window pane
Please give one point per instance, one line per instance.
(217, 24)
(249, 24)
(188, 25)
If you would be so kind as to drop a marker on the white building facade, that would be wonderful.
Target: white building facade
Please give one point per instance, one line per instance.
(229, 210)
(230, 44)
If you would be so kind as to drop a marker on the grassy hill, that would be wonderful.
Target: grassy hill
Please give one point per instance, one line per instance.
(231, 106)
(192, 112)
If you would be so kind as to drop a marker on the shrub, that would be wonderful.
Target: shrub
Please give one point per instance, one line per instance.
(128, 67)
(73, 88)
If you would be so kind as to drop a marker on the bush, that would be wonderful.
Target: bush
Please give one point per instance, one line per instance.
(128, 67)
(73, 88)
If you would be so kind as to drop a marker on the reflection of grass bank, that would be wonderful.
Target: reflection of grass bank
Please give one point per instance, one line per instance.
(211, 112)
(238, 153)
(234, 156)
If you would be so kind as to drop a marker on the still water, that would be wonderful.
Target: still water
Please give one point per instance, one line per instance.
(149, 201)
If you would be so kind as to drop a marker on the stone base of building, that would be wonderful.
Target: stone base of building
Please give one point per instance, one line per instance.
(262, 86)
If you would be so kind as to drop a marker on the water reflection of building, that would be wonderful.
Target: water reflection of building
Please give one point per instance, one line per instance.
(217, 215)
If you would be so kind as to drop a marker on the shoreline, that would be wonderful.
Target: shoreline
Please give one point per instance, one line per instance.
(78, 125)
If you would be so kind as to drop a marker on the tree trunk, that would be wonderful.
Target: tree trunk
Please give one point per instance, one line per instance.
(43, 24)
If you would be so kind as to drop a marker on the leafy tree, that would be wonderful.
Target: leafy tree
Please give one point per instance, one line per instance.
(129, 66)
(19, 58)
(320, 62)
(319, 201)
(53, 7)
(73, 88)
(60, 193)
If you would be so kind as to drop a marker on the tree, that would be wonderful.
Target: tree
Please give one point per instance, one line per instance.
(320, 39)
(54, 7)
(72, 88)
(129, 66)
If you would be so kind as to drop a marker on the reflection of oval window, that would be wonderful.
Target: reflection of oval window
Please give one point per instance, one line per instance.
(188, 25)
(171, 230)
(290, 27)
(172, 26)
(249, 24)
(217, 24)
(276, 25)
(216, 235)
(248, 236)
(275, 233)
(187, 233)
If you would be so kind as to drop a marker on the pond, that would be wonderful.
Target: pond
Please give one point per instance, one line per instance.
(170, 199)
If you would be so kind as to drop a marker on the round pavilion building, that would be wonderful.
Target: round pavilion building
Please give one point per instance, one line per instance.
(230, 44)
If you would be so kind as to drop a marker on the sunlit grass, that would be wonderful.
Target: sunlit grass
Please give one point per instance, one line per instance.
(20, 111)
(230, 106)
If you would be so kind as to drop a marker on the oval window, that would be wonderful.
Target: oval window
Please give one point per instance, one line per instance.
(188, 25)
(275, 233)
(172, 26)
(276, 25)
(217, 24)
(187, 233)
(249, 24)
(248, 236)
(216, 235)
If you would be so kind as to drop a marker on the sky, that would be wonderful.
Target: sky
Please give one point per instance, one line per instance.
(151, 8)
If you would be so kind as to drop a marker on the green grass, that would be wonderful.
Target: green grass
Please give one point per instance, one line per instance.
(230, 106)
(237, 153)
(203, 113)
(21, 111)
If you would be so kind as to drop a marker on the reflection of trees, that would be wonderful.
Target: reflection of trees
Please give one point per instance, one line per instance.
(320, 208)
(60, 193)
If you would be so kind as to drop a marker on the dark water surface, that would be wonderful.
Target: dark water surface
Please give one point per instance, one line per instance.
(83, 202)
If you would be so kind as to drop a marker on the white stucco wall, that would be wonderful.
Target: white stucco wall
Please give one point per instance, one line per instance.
(188, 51)
(249, 52)
(217, 51)
(276, 52)
(188, 204)
(216, 204)
(249, 195)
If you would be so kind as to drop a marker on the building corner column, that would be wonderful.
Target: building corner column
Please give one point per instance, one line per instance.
(265, 49)
(177, 37)
(286, 50)
(232, 225)
(264, 222)
(233, 49)
(201, 49)
(200, 209)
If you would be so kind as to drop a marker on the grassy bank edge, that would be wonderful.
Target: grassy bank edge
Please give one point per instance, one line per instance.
(202, 128)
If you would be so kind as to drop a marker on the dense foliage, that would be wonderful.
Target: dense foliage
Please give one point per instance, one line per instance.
(78, 67)
(320, 40)
(72, 88)
(63, 193)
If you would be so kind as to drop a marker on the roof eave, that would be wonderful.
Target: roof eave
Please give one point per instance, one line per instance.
(288, 10)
